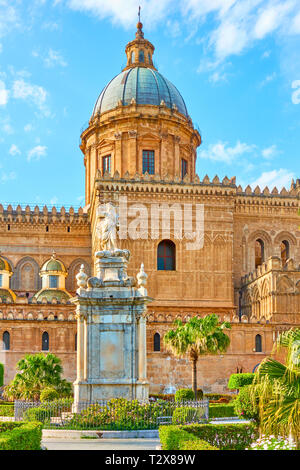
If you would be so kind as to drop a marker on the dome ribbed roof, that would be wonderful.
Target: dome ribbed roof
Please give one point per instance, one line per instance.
(53, 265)
(145, 85)
(4, 265)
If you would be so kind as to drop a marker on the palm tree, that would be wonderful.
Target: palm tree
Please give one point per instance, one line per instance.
(197, 337)
(37, 371)
(278, 386)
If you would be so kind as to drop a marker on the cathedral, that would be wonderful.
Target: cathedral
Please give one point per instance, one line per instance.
(141, 147)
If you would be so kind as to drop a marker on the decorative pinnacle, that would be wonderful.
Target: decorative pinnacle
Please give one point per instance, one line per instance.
(53, 255)
(81, 277)
(139, 34)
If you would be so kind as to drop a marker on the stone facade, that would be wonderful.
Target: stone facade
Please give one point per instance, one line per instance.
(247, 270)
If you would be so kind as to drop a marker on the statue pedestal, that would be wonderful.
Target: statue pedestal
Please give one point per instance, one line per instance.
(111, 333)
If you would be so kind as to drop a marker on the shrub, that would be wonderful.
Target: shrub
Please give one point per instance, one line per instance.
(121, 414)
(49, 394)
(171, 437)
(8, 425)
(196, 445)
(184, 394)
(185, 415)
(222, 410)
(6, 410)
(224, 436)
(237, 381)
(44, 412)
(28, 436)
(1, 374)
(244, 405)
(219, 397)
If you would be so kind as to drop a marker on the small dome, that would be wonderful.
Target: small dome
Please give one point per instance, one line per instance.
(50, 294)
(146, 85)
(4, 265)
(53, 265)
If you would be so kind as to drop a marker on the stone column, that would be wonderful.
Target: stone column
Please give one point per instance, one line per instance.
(142, 349)
(80, 347)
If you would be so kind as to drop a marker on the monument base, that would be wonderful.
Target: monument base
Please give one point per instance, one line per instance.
(90, 392)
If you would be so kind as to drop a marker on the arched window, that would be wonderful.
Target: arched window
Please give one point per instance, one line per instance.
(166, 255)
(75, 341)
(149, 57)
(258, 344)
(45, 341)
(132, 57)
(6, 341)
(284, 251)
(259, 252)
(141, 56)
(156, 342)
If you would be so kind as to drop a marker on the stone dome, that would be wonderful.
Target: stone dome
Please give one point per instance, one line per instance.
(146, 85)
(53, 264)
(4, 265)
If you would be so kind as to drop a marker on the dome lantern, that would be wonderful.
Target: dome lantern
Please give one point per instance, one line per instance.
(139, 52)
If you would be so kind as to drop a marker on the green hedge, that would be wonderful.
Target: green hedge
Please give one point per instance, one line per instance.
(8, 425)
(1, 374)
(171, 437)
(219, 397)
(245, 406)
(6, 410)
(176, 438)
(28, 436)
(222, 410)
(224, 436)
(184, 394)
(196, 444)
(237, 381)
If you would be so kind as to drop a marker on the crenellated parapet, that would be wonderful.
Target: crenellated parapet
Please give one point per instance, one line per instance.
(45, 215)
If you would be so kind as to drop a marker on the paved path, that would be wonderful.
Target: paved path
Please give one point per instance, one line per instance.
(100, 444)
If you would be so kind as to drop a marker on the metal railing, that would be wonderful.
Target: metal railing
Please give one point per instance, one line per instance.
(117, 414)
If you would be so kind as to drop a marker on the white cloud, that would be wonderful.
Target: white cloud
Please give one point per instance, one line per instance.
(28, 128)
(35, 94)
(296, 93)
(54, 58)
(54, 200)
(8, 176)
(37, 153)
(221, 152)
(7, 128)
(270, 152)
(271, 17)
(9, 17)
(4, 94)
(278, 178)
(268, 79)
(14, 150)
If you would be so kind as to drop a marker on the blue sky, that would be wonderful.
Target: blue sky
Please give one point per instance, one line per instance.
(236, 63)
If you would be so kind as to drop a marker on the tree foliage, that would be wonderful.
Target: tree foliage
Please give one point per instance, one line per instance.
(197, 337)
(278, 386)
(36, 372)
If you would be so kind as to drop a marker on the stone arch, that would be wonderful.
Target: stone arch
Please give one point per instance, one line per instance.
(265, 238)
(71, 284)
(285, 285)
(26, 276)
(284, 235)
(256, 303)
(265, 299)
